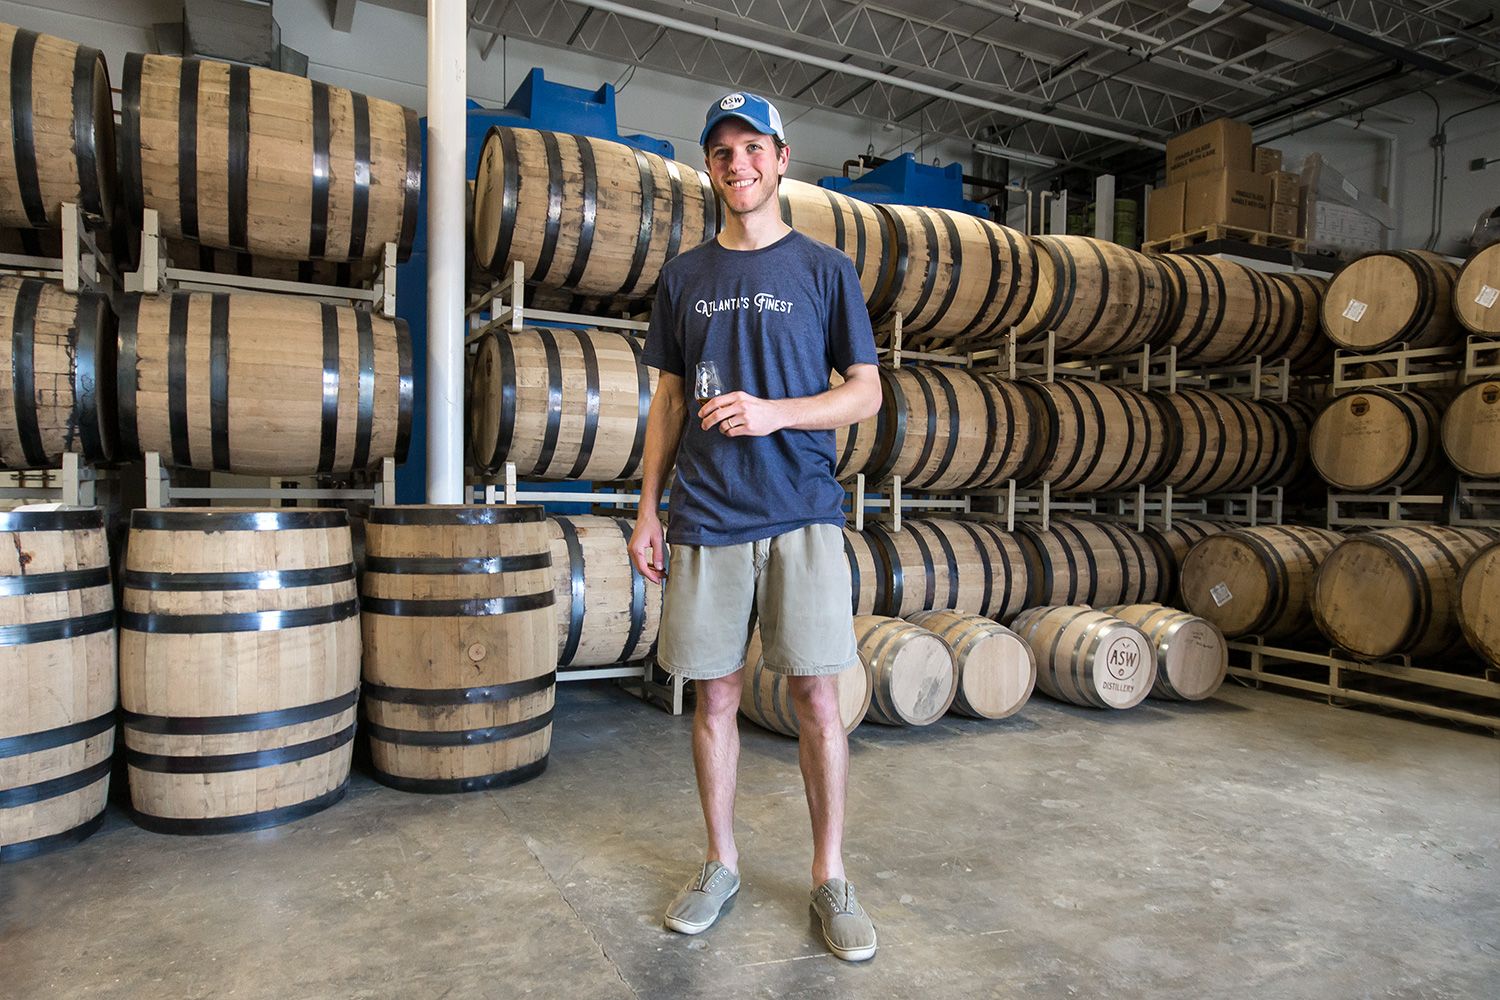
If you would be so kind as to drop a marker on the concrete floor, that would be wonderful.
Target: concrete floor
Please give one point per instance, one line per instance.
(1254, 846)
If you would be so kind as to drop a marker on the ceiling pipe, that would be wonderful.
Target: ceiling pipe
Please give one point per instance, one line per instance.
(1350, 33)
(759, 45)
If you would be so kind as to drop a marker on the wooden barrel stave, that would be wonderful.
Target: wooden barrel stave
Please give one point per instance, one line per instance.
(956, 279)
(913, 679)
(938, 564)
(1302, 343)
(1374, 439)
(1082, 562)
(1192, 659)
(1096, 438)
(601, 218)
(1219, 443)
(607, 612)
(460, 629)
(1471, 430)
(1088, 657)
(996, 670)
(766, 696)
(560, 404)
(60, 362)
(1389, 297)
(262, 384)
(1256, 581)
(57, 679)
(1476, 293)
(850, 225)
(62, 130)
(1225, 313)
(239, 666)
(1098, 298)
(1395, 590)
(1479, 603)
(279, 165)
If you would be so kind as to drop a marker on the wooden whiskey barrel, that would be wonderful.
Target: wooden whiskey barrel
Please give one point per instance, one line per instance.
(1476, 293)
(1291, 466)
(590, 215)
(996, 670)
(1392, 296)
(607, 612)
(1302, 341)
(1191, 656)
(268, 163)
(847, 224)
(1225, 312)
(869, 576)
(945, 563)
(1479, 603)
(913, 679)
(1471, 430)
(766, 696)
(460, 632)
(955, 278)
(1171, 544)
(262, 384)
(60, 358)
(560, 404)
(239, 666)
(57, 678)
(1256, 581)
(1097, 438)
(62, 130)
(1219, 443)
(1395, 590)
(1099, 298)
(942, 428)
(1076, 561)
(1373, 439)
(1088, 657)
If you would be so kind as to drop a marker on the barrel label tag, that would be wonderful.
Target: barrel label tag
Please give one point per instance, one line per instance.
(1220, 593)
(1487, 296)
(1355, 310)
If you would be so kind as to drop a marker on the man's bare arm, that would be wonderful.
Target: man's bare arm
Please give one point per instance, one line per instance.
(664, 425)
(739, 414)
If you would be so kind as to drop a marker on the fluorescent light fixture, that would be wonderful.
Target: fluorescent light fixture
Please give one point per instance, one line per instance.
(1037, 159)
(1205, 6)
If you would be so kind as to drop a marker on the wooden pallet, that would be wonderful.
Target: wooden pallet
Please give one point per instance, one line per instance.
(1211, 234)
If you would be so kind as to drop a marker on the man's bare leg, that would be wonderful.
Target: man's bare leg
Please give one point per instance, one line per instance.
(824, 753)
(716, 758)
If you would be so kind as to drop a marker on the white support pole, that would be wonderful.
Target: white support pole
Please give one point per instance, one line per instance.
(447, 44)
(1104, 207)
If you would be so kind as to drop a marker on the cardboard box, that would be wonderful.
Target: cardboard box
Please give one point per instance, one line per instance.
(1239, 198)
(1286, 188)
(1220, 145)
(1324, 183)
(1164, 211)
(1267, 160)
(1284, 220)
(1340, 227)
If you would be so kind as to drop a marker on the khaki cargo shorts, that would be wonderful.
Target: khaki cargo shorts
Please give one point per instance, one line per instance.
(796, 583)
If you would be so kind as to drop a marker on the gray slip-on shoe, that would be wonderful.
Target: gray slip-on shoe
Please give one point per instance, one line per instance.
(701, 901)
(847, 928)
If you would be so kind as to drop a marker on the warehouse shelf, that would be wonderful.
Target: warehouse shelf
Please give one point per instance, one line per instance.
(1471, 697)
(897, 354)
(82, 264)
(157, 274)
(1252, 507)
(889, 496)
(1217, 233)
(1389, 509)
(1476, 503)
(72, 484)
(510, 491)
(1404, 367)
(1481, 359)
(161, 492)
(491, 310)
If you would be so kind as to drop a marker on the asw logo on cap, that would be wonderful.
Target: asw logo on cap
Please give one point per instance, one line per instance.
(732, 101)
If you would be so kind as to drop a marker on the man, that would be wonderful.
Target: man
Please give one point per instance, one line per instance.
(756, 515)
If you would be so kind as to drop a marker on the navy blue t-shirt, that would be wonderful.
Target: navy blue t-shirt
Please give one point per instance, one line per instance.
(775, 321)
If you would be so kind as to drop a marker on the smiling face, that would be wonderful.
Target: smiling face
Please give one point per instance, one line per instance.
(745, 167)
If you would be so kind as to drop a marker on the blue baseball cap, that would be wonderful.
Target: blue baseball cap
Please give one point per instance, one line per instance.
(759, 113)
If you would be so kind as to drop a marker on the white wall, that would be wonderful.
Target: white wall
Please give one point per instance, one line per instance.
(385, 55)
(1362, 156)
